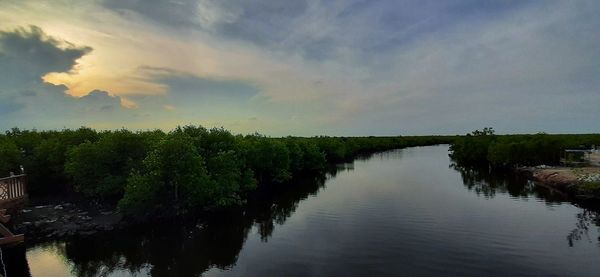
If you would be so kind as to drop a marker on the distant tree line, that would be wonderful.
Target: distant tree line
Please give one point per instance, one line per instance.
(507, 151)
(180, 171)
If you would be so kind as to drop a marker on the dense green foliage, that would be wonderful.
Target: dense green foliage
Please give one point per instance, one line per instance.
(592, 188)
(485, 147)
(44, 153)
(9, 156)
(101, 168)
(186, 169)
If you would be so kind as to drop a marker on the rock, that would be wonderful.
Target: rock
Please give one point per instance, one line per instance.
(584, 197)
(60, 220)
(85, 217)
(88, 233)
(593, 177)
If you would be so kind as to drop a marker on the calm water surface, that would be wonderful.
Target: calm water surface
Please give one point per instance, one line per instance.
(400, 213)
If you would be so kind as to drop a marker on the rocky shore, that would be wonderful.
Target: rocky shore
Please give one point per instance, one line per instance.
(51, 220)
(579, 182)
(55, 221)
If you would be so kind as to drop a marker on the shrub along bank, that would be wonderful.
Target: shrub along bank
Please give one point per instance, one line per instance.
(510, 151)
(187, 169)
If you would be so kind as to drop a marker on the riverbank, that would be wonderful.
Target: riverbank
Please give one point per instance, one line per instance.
(375, 204)
(57, 220)
(74, 217)
(583, 183)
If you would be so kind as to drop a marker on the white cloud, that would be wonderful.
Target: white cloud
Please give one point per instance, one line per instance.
(347, 67)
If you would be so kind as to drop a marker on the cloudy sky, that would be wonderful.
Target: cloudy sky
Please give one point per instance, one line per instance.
(302, 67)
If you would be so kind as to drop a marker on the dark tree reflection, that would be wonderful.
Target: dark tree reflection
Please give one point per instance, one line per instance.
(15, 261)
(586, 219)
(274, 204)
(167, 250)
(487, 182)
(190, 247)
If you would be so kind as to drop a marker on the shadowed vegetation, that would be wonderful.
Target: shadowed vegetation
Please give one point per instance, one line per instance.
(507, 151)
(190, 168)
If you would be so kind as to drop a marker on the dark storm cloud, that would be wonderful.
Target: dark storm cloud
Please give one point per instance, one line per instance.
(337, 67)
(317, 29)
(99, 101)
(182, 84)
(263, 22)
(26, 54)
(202, 97)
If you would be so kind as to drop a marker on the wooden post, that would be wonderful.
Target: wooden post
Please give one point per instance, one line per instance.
(24, 184)
(9, 187)
(9, 237)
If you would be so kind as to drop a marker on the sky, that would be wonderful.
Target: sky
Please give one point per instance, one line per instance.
(302, 67)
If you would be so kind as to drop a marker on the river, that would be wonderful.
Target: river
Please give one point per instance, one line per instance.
(406, 212)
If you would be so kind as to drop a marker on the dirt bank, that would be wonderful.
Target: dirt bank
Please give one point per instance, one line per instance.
(566, 179)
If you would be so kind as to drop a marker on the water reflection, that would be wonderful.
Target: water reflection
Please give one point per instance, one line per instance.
(14, 260)
(274, 204)
(586, 219)
(487, 182)
(396, 212)
(180, 251)
(183, 248)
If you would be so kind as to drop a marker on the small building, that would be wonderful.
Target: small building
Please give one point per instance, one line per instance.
(595, 156)
(576, 157)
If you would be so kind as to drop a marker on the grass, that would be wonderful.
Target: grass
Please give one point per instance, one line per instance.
(592, 188)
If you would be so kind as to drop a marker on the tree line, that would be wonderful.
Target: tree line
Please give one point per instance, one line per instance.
(484, 147)
(186, 169)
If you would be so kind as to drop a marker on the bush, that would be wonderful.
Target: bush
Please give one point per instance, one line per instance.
(189, 168)
(481, 148)
(592, 188)
(100, 169)
(172, 177)
(10, 157)
(473, 148)
(269, 159)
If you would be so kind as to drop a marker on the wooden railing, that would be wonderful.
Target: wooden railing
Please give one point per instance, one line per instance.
(13, 192)
(13, 188)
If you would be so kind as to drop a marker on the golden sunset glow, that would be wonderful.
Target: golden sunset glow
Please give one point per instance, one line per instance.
(322, 70)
